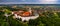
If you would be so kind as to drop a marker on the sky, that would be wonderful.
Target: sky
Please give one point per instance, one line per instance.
(29, 1)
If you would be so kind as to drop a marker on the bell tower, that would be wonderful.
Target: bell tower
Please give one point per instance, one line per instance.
(30, 10)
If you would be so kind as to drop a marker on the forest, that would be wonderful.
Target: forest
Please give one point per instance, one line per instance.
(49, 18)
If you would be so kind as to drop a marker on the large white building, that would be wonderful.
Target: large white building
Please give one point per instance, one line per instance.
(25, 18)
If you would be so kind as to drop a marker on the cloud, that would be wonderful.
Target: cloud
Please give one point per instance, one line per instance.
(37, 2)
(48, 1)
